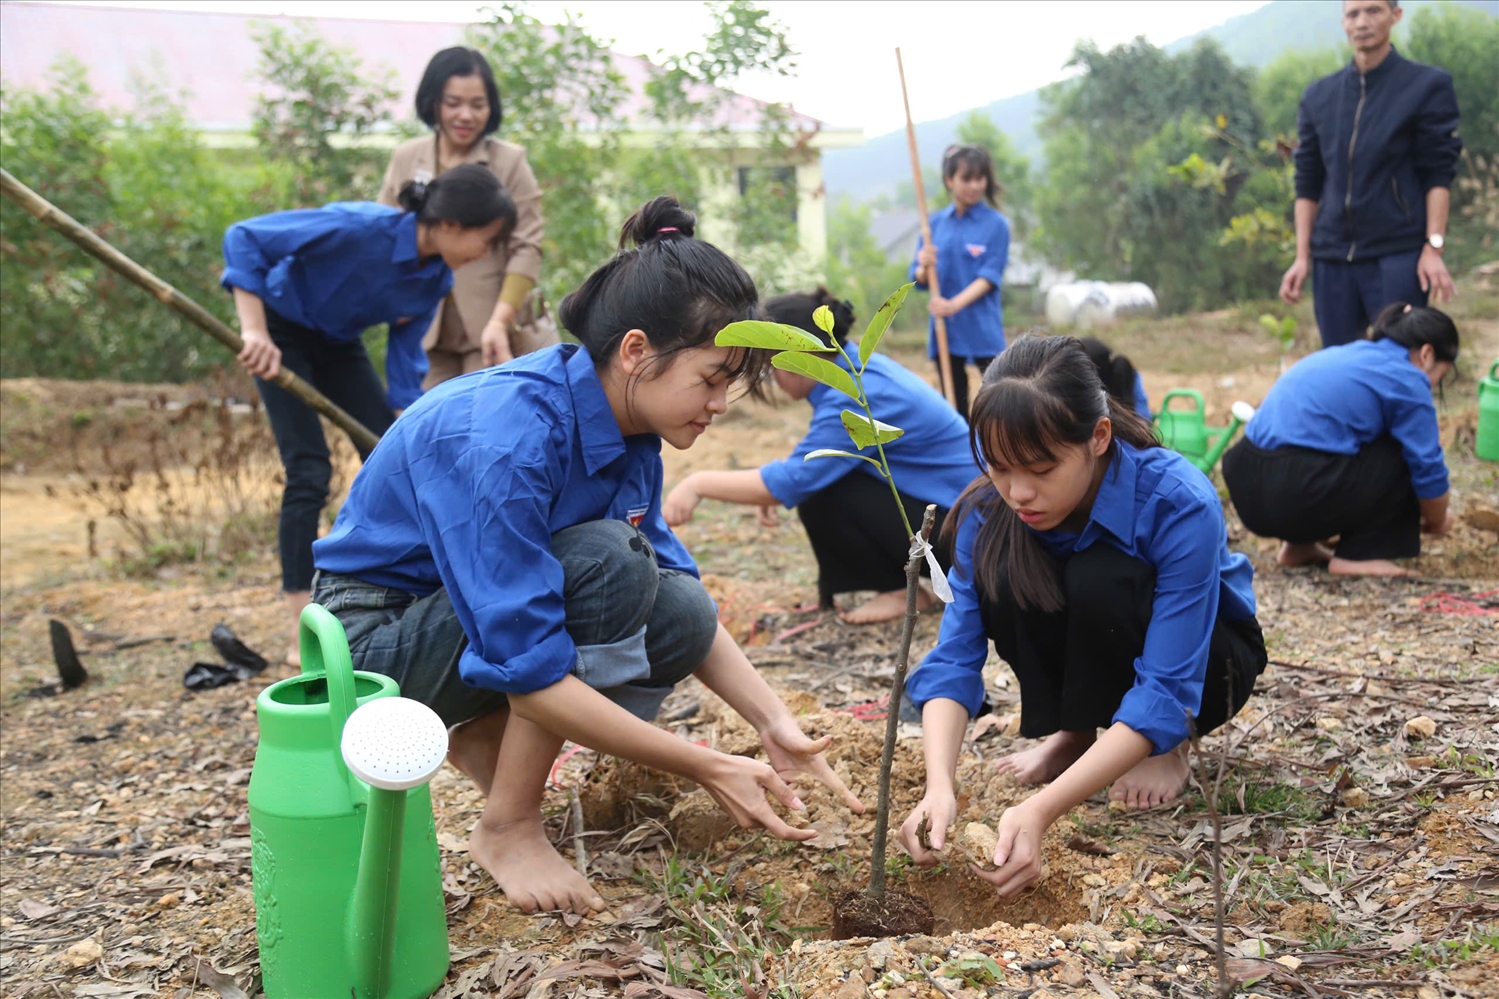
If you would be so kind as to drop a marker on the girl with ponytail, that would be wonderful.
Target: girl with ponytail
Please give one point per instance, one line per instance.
(503, 557)
(1346, 446)
(849, 515)
(308, 283)
(1119, 376)
(1097, 562)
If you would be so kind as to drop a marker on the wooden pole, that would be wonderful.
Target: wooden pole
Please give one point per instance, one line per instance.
(944, 360)
(55, 218)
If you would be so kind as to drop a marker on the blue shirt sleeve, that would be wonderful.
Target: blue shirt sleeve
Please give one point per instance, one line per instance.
(1311, 172)
(406, 361)
(954, 669)
(998, 254)
(1142, 401)
(1412, 418)
(793, 479)
(486, 522)
(258, 252)
(1437, 146)
(1185, 545)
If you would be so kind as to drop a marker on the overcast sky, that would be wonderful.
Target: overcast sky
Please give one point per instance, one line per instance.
(958, 53)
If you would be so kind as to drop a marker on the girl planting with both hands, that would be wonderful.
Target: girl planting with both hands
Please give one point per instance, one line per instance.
(308, 283)
(1097, 562)
(850, 517)
(504, 558)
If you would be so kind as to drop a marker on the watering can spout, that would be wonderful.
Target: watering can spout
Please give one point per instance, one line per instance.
(392, 744)
(1241, 413)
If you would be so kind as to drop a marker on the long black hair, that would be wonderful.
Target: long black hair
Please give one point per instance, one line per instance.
(1040, 395)
(678, 290)
(1415, 326)
(457, 61)
(469, 195)
(973, 160)
(1116, 370)
(796, 308)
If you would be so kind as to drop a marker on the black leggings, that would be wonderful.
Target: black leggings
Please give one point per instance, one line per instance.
(1075, 665)
(960, 378)
(858, 538)
(1366, 500)
(342, 372)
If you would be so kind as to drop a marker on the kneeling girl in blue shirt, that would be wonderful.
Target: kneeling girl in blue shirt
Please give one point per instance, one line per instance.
(1346, 446)
(846, 507)
(1097, 562)
(1120, 377)
(308, 283)
(502, 556)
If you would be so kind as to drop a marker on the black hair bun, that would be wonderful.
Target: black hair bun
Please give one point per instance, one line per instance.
(659, 217)
(413, 196)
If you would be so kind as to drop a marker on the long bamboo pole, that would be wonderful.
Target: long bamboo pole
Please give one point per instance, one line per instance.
(55, 218)
(944, 360)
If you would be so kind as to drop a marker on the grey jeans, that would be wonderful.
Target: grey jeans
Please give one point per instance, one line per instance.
(639, 629)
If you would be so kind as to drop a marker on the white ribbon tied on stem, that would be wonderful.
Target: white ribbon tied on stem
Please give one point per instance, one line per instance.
(921, 546)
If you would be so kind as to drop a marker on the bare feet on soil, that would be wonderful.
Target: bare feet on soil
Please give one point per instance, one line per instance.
(1292, 555)
(1370, 567)
(1047, 761)
(1153, 781)
(474, 747)
(888, 606)
(532, 874)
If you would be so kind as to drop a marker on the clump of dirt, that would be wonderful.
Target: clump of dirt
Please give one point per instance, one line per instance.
(962, 901)
(857, 914)
(1305, 918)
(620, 792)
(697, 822)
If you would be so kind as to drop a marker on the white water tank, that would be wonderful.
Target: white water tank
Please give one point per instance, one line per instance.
(1097, 303)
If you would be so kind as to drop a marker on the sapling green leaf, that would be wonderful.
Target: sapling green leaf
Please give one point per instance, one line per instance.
(823, 317)
(769, 336)
(832, 452)
(875, 331)
(866, 432)
(819, 370)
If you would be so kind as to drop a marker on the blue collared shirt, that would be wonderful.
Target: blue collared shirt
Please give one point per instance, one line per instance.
(932, 462)
(1344, 397)
(341, 269)
(1153, 505)
(974, 245)
(1142, 400)
(466, 490)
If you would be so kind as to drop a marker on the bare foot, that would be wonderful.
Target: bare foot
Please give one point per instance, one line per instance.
(530, 872)
(1047, 761)
(1369, 567)
(474, 747)
(1153, 781)
(1292, 555)
(295, 600)
(888, 606)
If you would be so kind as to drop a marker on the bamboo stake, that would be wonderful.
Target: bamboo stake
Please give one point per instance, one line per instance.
(944, 359)
(55, 218)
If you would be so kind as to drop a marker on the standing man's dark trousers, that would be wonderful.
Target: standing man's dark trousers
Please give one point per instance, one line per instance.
(1347, 297)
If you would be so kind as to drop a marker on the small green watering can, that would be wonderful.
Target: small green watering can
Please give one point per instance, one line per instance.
(1487, 445)
(1186, 430)
(348, 890)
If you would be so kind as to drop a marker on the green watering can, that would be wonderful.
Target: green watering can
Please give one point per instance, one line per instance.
(348, 889)
(1186, 430)
(1487, 445)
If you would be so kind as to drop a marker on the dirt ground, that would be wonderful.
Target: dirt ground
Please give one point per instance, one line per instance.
(1360, 827)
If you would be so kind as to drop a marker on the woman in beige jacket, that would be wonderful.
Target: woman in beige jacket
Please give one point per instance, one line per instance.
(488, 318)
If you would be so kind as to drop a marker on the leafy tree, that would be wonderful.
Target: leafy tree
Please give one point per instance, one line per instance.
(857, 268)
(1279, 86)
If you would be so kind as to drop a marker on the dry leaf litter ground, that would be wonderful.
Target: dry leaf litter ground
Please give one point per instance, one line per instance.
(1361, 835)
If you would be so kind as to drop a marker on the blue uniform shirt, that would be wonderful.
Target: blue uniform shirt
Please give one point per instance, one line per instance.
(932, 462)
(466, 490)
(1142, 401)
(1341, 398)
(977, 245)
(341, 269)
(1154, 506)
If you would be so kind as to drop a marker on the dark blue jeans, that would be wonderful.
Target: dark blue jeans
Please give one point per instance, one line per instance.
(1347, 298)
(640, 629)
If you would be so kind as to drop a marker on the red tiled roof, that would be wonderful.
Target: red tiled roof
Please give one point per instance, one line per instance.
(211, 57)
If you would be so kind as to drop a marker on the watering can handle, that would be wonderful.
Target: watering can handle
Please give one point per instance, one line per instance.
(1192, 394)
(325, 650)
(1494, 370)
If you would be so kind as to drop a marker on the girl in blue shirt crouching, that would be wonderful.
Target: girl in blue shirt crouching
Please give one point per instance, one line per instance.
(1097, 562)
(846, 507)
(502, 556)
(308, 283)
(1346, 446)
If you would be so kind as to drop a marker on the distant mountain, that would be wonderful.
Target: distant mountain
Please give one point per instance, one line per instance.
(1252, 39)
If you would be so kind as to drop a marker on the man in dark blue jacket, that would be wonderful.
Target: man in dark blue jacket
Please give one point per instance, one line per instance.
(1374, 169)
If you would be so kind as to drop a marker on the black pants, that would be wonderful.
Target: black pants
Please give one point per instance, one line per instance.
(1075, 665)
(960, 379)
(343, 373)
(1366, 500)
(858, 537)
